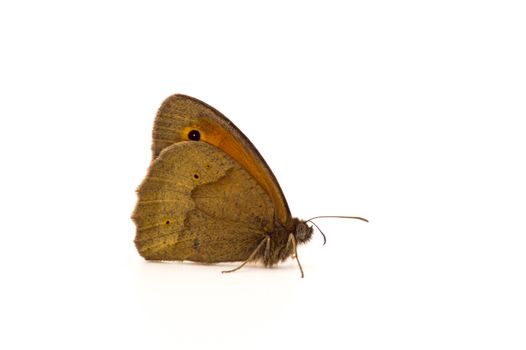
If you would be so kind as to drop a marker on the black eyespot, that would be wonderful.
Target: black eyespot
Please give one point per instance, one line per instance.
(194, 135)
(167, 222)
(196, 176)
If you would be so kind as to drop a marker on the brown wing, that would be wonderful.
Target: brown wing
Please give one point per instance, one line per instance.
(179, 115)
(196, 203)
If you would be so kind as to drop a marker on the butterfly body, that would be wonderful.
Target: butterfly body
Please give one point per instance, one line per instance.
(209, 196)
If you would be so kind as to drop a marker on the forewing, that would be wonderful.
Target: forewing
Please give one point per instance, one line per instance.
(179, 115)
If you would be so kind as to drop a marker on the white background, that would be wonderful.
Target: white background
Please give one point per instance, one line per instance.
(408, 113)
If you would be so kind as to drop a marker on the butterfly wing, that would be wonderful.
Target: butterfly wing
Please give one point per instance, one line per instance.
(197, 203)
(179, 115)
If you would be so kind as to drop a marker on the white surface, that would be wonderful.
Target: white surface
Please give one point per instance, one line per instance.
(407, 113)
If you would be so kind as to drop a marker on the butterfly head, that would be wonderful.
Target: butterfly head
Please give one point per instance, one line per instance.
(303, 232)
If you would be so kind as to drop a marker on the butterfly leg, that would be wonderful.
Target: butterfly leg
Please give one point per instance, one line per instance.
(292, 240)
(267, 249)
(266, 240)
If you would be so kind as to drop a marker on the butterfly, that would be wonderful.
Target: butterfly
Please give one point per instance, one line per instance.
(209, 196)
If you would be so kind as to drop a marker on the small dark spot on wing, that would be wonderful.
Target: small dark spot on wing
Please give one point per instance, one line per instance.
(194, 135)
